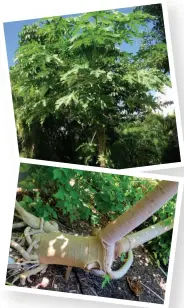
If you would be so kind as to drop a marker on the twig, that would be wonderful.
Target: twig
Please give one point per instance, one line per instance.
(68, 272)
(13, 274)
(20, 269)
(32, 266)
(92, 290)
(151, 257)
(22, 251)
(53, 280)
(93, 137)
(162, 270)
(158, 265)
(30, 262)
(152, 291)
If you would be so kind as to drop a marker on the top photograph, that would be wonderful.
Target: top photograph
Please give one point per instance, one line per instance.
(94, 88)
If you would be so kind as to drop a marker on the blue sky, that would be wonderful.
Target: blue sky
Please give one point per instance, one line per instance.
(11, 30)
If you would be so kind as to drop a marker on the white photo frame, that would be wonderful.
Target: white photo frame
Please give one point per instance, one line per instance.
(173, 244)
(54, 11)
(47, 10)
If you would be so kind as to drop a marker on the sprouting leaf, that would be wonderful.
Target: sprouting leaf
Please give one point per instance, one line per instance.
(123, 256)
(106, 280)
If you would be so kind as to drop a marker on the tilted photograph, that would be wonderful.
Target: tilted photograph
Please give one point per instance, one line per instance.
(92, 233)
(94, 88)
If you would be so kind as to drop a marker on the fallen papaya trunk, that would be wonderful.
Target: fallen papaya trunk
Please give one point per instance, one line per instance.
(88, 252)
(97, 253)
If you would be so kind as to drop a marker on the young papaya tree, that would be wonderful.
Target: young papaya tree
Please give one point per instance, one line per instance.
(77, 69)
(97, 252)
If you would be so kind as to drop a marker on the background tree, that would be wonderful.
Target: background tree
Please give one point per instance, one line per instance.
(158, 30)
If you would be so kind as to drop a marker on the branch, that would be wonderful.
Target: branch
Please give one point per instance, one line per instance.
(123, 269)
(23, 252)
(33, 221)
(138, 238)
(141, 211)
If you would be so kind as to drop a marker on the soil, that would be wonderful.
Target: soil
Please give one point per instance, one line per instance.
(144, 272)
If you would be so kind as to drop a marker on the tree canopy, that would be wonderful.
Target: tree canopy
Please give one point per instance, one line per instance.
(79, 91)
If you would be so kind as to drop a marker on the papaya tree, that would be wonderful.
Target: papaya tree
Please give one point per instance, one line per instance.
(77, 69)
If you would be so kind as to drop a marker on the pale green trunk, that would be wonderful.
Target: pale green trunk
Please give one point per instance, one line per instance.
(136, 239)
(137, 214)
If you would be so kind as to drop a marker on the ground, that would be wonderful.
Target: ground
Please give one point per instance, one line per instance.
(143, 270)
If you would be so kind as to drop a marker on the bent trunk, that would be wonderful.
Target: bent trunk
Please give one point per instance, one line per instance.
(88, 252)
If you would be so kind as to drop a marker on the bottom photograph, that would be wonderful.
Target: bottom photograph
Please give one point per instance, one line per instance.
(92, 233)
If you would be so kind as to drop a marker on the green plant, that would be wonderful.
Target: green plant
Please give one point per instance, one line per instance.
(83, 194)
(123, 255)
(106, 280)
(160, 246)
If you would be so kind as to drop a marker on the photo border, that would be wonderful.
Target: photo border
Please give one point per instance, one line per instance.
(173, 243)
(55, 11)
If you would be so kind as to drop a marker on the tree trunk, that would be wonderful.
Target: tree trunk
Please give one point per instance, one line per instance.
(101, 146)
(141, 211)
